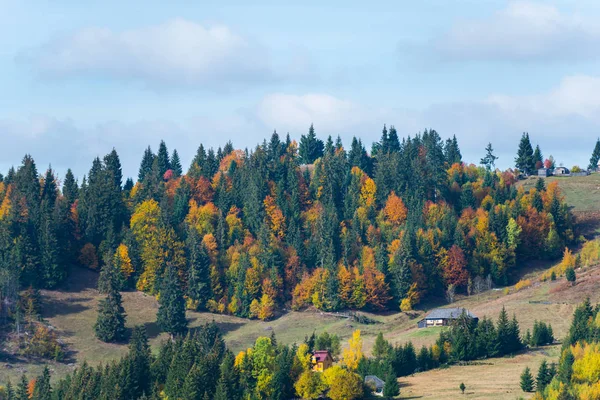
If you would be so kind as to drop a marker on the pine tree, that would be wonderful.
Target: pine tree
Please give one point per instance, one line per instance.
(110, 325)
(146, 164)
(310, 147)
(538, 158)
(198, 283)
(524, 160)
(171, 309)
(489, 161)
(595, 157)
(228, 385)
(141, 358)
(570, 274)
(162, 157)
(176, 164)
(452, 152)
(527, 382)
(381, 348)
(43, 390)
(391, 389)
(541, 380)
(70, 189)
(22, 389)
(9, 391)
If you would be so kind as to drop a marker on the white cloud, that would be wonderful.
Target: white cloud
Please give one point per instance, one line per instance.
(577, 95)
(523, 31)
(177, 52)
(330, 115)
(564, 121)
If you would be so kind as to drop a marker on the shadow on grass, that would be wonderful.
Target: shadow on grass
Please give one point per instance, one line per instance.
(53, 307)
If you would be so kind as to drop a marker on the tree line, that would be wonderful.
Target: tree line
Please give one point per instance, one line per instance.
(245, 232)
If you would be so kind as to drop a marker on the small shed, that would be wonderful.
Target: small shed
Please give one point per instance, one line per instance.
(444, 317)
(544, 172)
(375, 384)
(562, 171)
(321, 360)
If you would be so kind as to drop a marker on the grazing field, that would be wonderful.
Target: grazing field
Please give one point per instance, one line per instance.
(581, 192)
(72, 312)
(488, 379)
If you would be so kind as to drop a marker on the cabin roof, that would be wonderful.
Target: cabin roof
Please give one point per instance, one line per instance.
(448, 313)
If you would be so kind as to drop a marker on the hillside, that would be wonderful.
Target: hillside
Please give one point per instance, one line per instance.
(582, 194)
(72, 313)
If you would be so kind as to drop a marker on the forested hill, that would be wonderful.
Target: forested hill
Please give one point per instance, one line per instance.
(285, 223)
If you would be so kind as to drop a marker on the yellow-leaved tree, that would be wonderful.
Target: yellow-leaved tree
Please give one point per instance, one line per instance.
(310, 385)
(353, 353)
(343, 384)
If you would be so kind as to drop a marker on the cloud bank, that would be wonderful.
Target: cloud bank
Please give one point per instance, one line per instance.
(523, 31)
(177, 52)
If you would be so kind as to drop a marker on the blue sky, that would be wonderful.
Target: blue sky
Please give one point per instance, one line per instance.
(78, 78)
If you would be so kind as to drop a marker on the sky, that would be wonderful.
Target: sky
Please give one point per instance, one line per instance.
(79, 78)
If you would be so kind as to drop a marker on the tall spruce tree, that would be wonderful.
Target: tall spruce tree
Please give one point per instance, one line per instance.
(110, 324)
(42, 389)
(527, 382)
(146, 164)
(310, 147)
(198, 283)
(141, 360)
(524, 160)
(162, 157)
(538, 157)
(70, 189)
(176, 164)
(171, 304)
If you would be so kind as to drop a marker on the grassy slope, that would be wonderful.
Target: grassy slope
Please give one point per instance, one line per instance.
(73, 312)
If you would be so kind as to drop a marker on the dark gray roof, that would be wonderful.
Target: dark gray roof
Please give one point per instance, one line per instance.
(378, 382)
(448, 313)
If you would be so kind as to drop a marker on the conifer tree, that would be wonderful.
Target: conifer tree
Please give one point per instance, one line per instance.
(43, 390)
(543, 377)
(171, 309)
(22, 389)
(524, 160)
(538, 158)
(70, 189)
(391, 389)
(162, 157)
(527, 380)
(141, 358)
(198, 283)
(452, 152)
(176, 164)
(228, 385)
(110, 325)
(489, 161)
(310, 147)
(146, 164)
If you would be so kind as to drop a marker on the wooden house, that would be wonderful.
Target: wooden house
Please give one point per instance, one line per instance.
(444, 317)
(321, 360)
(375, 384)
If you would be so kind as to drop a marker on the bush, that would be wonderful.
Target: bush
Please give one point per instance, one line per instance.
(570, 274)
(42, 342)
(553, 276)
(522, 284)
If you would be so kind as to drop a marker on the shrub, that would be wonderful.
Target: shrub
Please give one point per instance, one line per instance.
(570, 274)
(42, 342)
(522, 284)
